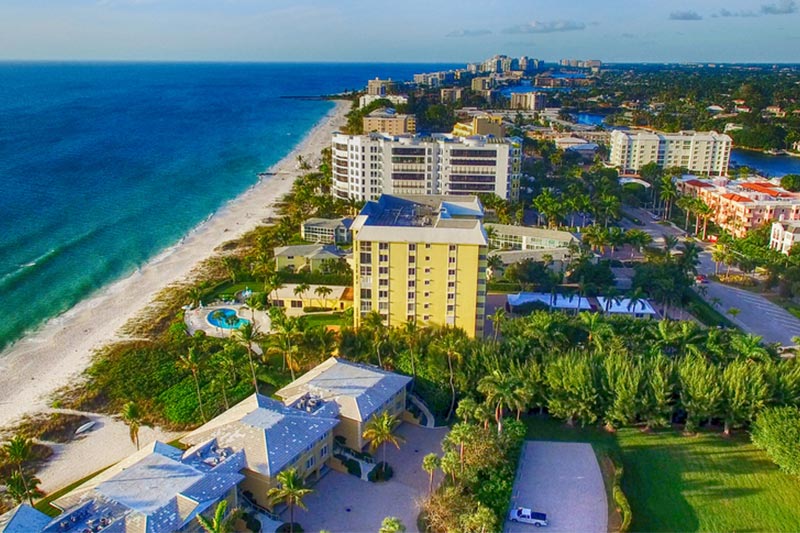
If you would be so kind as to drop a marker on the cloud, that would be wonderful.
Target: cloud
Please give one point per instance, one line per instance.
(685, 15)
(468, 33)
(724, 13)
(784, 7)
(550, 26)
(628, 36)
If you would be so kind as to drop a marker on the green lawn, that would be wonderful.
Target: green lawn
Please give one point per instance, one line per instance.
(700, 483)
(324, 319)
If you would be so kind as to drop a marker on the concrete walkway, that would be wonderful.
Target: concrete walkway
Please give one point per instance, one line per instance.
(430, 420)
(562, 480)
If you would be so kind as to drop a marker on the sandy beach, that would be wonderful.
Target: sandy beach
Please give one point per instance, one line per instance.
(55, 355)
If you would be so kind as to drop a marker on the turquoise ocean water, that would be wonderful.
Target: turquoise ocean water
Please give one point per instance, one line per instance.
(102, 166)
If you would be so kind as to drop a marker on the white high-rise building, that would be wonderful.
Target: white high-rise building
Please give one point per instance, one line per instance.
(699, 152)
(366, 166)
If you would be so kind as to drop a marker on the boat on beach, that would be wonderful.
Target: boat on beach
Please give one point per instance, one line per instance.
(86, 427)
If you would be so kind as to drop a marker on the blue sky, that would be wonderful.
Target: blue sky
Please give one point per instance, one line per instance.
(401, 31)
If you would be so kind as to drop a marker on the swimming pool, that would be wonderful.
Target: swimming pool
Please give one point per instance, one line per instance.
(226, 319)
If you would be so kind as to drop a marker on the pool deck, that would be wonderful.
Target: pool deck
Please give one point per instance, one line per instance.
(197, 319)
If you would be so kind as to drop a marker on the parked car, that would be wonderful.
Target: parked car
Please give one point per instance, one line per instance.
(526, 516)
(655, 217)
(700, 278)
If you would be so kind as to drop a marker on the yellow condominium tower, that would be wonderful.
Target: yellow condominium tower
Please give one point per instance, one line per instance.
(423, 259)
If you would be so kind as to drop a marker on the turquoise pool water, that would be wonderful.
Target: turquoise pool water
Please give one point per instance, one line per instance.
(228, 320)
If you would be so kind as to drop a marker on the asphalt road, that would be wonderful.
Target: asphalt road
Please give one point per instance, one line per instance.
(562, 480)
(757, 315)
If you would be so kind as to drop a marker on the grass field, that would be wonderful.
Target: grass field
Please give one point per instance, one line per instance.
(691, 483)
(324, 319)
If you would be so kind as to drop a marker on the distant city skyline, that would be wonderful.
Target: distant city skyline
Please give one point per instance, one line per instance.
(446, 31)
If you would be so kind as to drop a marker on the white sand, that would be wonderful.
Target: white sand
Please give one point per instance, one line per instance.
(107, 443)
(33, 368)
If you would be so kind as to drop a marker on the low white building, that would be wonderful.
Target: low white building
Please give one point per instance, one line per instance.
(557, 302)
(396, 99)
(784, 235)
(326, 230)
(625, 306)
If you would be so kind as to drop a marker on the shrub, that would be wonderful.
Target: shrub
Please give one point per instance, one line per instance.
(777, 432)
(353, 466)
(381, 472)
(310, 309)
(286, 527)
(620, 499)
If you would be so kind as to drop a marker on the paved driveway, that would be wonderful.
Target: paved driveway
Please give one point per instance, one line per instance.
(343, 503)
(563, 480)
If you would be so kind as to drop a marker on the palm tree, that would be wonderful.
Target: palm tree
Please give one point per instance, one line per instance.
(195, 294)
(191, 362)
(17, 452)
(638, 239)
(497, 319)
(379, 431)
(21, 487)
(495, 264)
(323, 292)
(291, 491)
(451, 343)
(719, 254)
(132, 416)
(705, 212)
(686, 203)
(413, 335)
(499, 390)
(595, 327)
(429, 464)
(220, 523)
(668, 192)
(246, 335)
(373, 324)
(392, 524)
(301, 289)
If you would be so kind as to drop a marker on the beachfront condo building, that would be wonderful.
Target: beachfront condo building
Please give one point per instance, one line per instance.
(421, 259)
(367, 166)
(706, 153)
(379, 87)
(386, 120)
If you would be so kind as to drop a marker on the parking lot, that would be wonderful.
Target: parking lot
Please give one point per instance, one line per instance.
(563, 480)
(344, 503)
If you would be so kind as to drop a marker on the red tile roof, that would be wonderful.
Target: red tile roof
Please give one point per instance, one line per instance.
(698, 183)
(736, 197)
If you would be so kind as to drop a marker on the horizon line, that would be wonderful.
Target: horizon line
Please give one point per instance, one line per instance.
(369, 62)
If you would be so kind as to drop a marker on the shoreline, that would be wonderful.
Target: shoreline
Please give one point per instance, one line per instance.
(57, 353)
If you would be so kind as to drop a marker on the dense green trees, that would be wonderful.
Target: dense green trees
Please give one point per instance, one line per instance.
(777, 431)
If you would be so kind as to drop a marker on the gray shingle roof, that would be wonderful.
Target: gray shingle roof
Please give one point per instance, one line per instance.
(271, 434)
(141, 493)
(359, 390)
(315, 251)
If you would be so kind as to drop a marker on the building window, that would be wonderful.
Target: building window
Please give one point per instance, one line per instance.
(412, 271)
(451, 272)
(383, 271)
(452, 248)
(310, 462)
(411, 258)
(451, 260)
(297, 304)
(411, 284)
(427, 258)
(365, 257)
(383, 258)
(427, 245)
(411, 295)
(412, 247)
(383, 246)
(383, 294)
(323, 452)
(427, 270)
(427, 282)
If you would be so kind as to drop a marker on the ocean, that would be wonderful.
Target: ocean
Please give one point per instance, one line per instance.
(104, 165)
